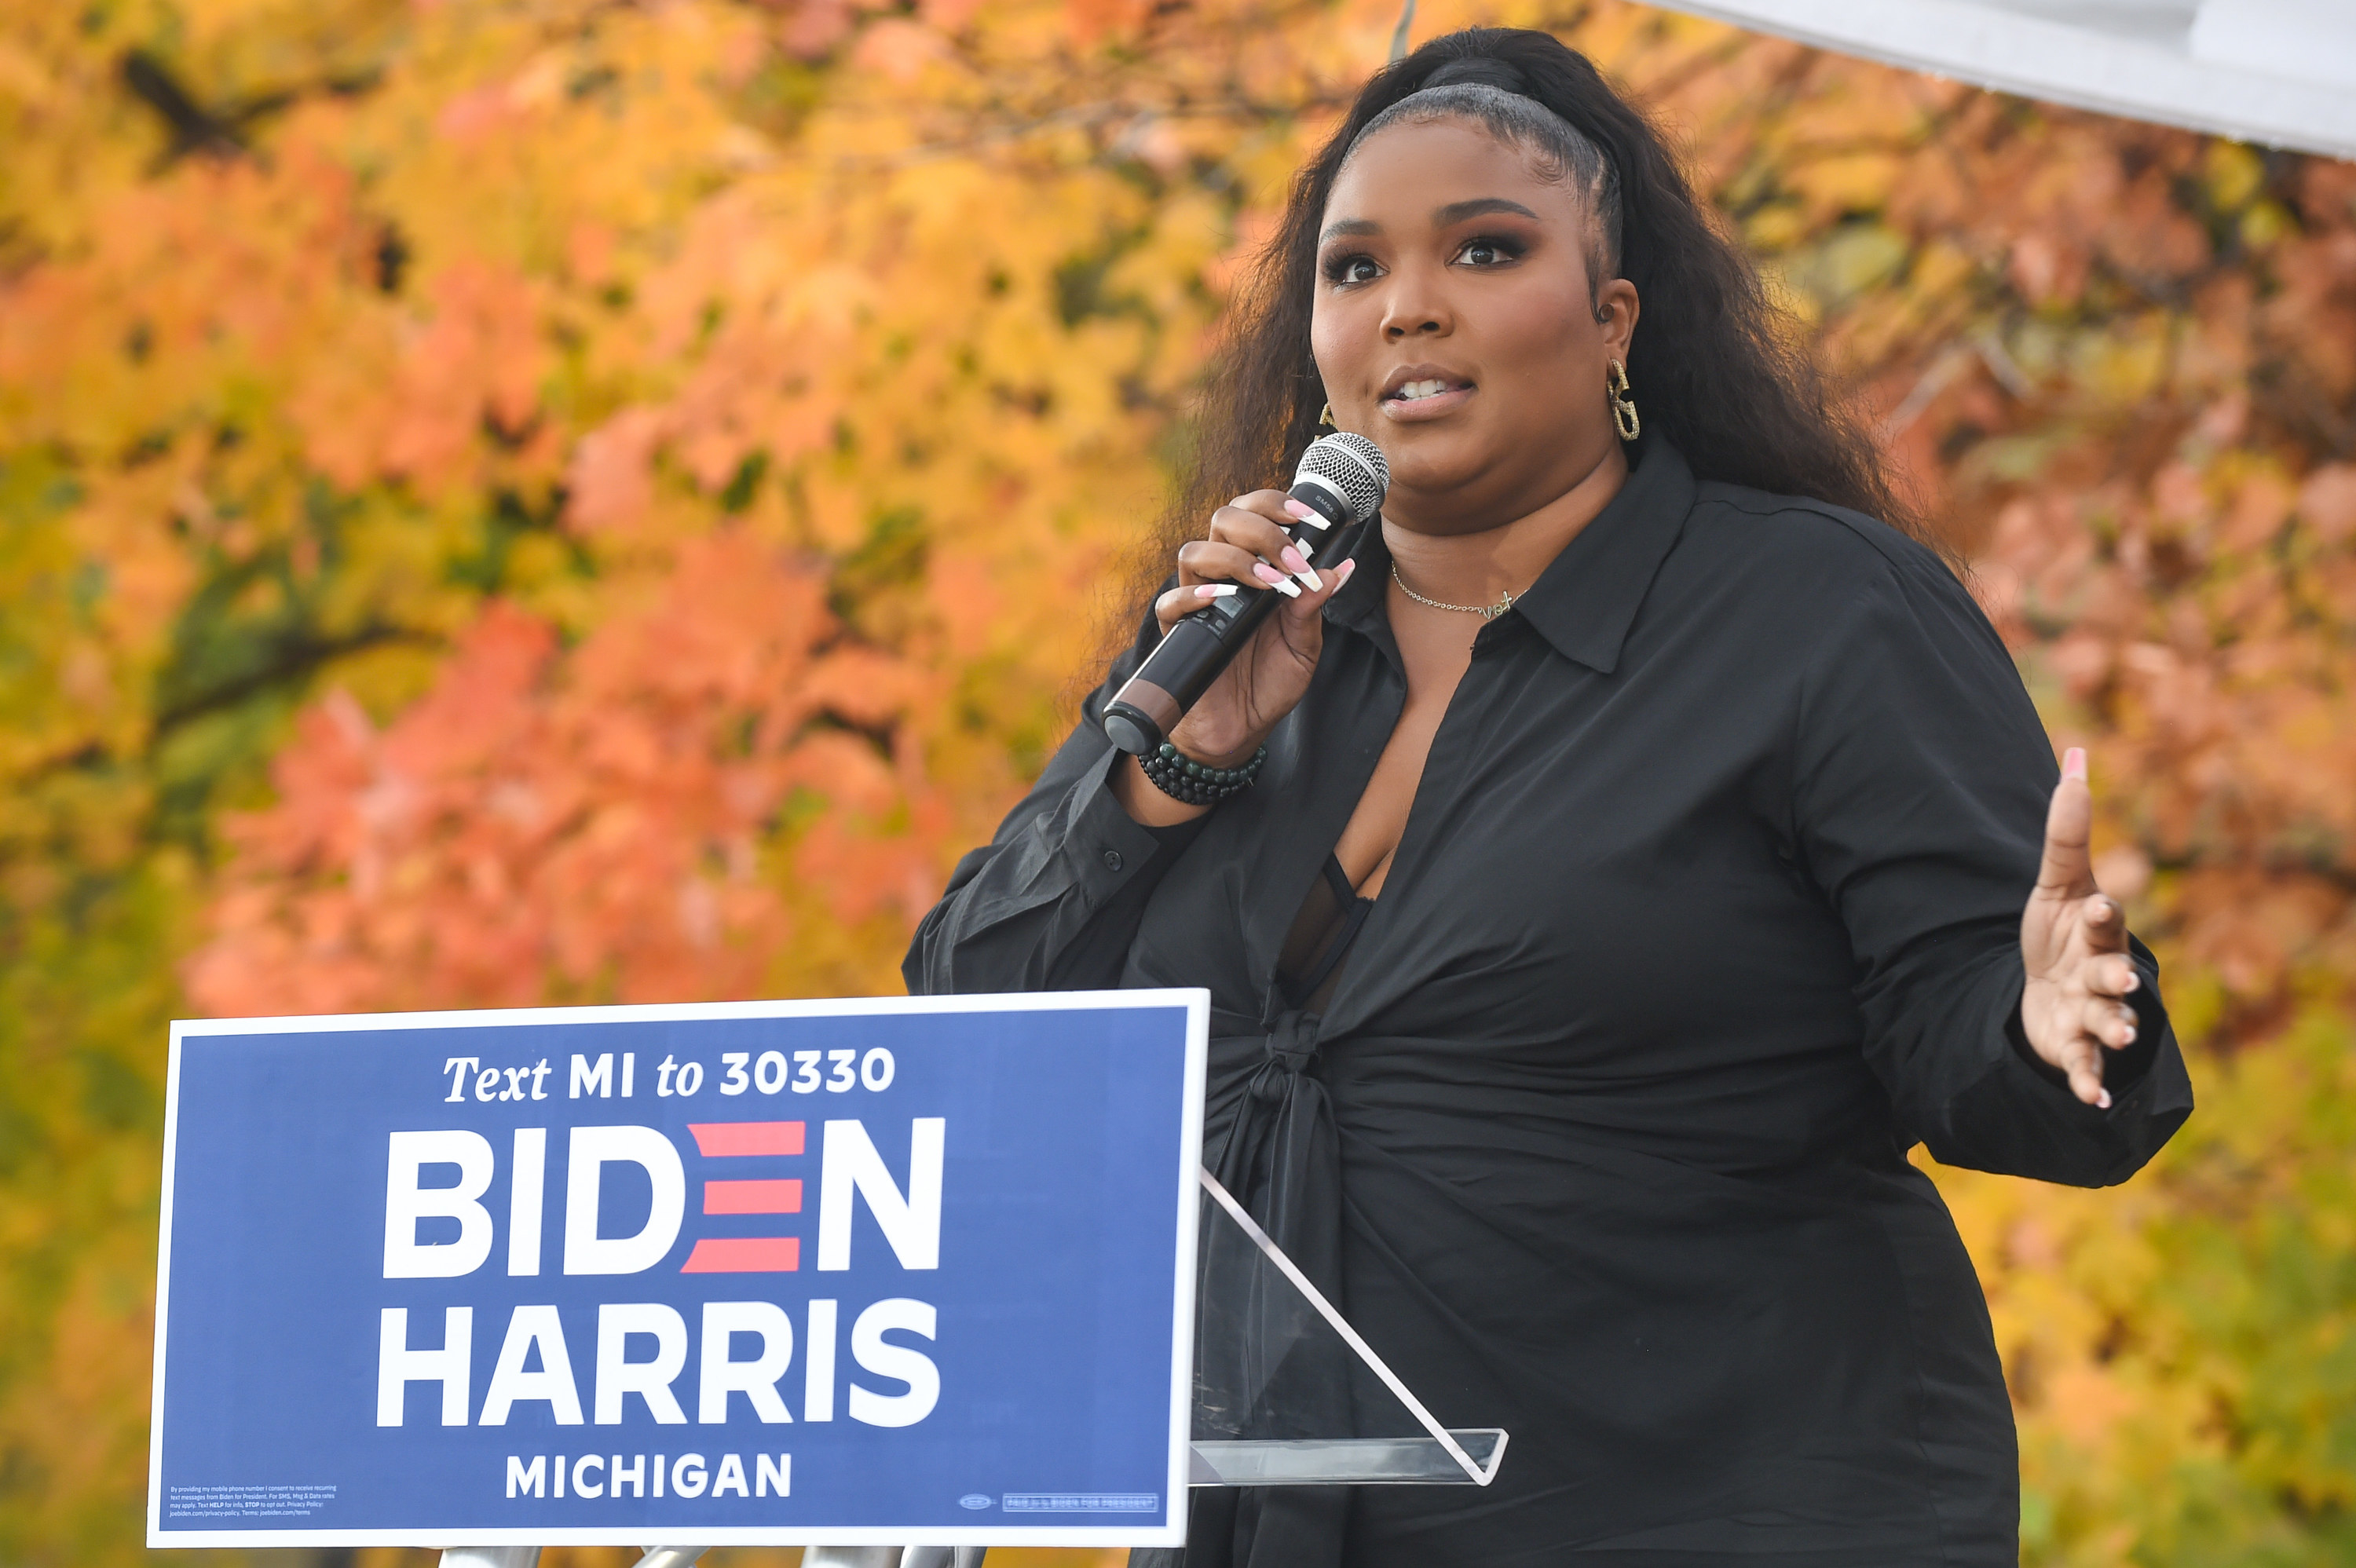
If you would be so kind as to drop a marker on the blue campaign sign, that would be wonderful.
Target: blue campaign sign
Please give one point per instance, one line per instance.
(914, 1271)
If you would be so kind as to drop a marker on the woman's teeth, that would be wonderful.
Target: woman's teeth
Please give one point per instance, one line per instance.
(1415, 390)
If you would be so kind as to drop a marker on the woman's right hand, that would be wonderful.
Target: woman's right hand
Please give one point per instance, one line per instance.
(1249, 545)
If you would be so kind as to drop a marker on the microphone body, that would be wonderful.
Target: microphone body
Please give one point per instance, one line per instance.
(1341, 478)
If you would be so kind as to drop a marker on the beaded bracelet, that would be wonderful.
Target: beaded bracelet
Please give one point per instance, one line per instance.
(1198, 783)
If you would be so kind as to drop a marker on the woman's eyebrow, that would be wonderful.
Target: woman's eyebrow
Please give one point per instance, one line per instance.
(1458, 211)
(1454, 212)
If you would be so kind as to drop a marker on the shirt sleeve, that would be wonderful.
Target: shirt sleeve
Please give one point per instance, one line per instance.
(1053, 901)
(1920, 784)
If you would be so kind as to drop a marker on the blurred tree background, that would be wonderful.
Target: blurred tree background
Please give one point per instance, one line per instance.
(511, 501)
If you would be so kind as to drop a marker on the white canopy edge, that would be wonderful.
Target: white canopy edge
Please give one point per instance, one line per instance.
(2278, 73)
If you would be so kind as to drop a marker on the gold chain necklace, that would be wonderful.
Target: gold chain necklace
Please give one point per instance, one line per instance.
(1486, 611)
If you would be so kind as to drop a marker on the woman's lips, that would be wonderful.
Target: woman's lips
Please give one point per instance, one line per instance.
(1437, 405)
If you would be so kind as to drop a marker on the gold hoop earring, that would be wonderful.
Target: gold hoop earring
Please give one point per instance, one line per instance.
(1623, 406)
(1325, 416)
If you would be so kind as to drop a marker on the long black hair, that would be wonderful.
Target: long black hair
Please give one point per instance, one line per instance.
(1717, 368)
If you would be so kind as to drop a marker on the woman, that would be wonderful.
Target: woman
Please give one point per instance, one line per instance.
(1645, 847)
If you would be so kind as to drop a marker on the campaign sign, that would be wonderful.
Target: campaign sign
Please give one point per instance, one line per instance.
(916, 1271)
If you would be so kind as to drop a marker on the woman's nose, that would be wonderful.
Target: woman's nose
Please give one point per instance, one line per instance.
(1415, 309)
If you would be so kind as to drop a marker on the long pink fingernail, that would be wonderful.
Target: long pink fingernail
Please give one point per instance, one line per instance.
(1302, 510)
(1275, 579)
(2103, 1098)
(1215, 590)
(1298, 565)
(2074, 763)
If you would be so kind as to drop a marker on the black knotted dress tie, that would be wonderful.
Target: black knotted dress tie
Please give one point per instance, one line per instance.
(1279, 1155)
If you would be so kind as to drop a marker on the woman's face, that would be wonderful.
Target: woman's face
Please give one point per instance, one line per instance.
(1455, 325)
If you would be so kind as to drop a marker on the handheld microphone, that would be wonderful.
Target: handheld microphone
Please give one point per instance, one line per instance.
(1341, 478)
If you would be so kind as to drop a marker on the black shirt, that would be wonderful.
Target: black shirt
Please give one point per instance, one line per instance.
(1706, 910)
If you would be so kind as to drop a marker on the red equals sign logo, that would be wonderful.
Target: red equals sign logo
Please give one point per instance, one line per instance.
(747, 1255)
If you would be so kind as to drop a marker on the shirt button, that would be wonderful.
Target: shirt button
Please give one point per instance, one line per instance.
(1112, 859)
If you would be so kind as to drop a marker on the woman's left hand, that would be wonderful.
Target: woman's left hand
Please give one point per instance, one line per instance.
(2073, 943)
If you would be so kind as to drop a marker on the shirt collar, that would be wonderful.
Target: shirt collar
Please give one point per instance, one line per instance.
(1584, 602)
(1359, 603)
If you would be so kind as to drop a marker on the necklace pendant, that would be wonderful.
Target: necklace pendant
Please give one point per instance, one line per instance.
(1504, 602)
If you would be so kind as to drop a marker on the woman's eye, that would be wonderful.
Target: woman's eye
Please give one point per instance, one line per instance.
(1353, 270)
(1488, 253)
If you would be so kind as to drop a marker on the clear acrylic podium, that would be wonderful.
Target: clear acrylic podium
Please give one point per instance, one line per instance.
(1286, 1395)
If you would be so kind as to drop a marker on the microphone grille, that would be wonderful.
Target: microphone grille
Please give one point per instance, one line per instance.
(1352, 464)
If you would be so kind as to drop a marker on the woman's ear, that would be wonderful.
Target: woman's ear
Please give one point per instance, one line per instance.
(1615, 312)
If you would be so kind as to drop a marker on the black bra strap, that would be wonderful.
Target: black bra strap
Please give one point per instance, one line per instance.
(1355, 911)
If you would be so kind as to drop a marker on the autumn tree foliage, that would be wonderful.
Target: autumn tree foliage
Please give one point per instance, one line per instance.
(514, 501)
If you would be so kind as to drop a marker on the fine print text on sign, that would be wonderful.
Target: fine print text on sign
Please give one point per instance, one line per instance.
(916, 1272)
